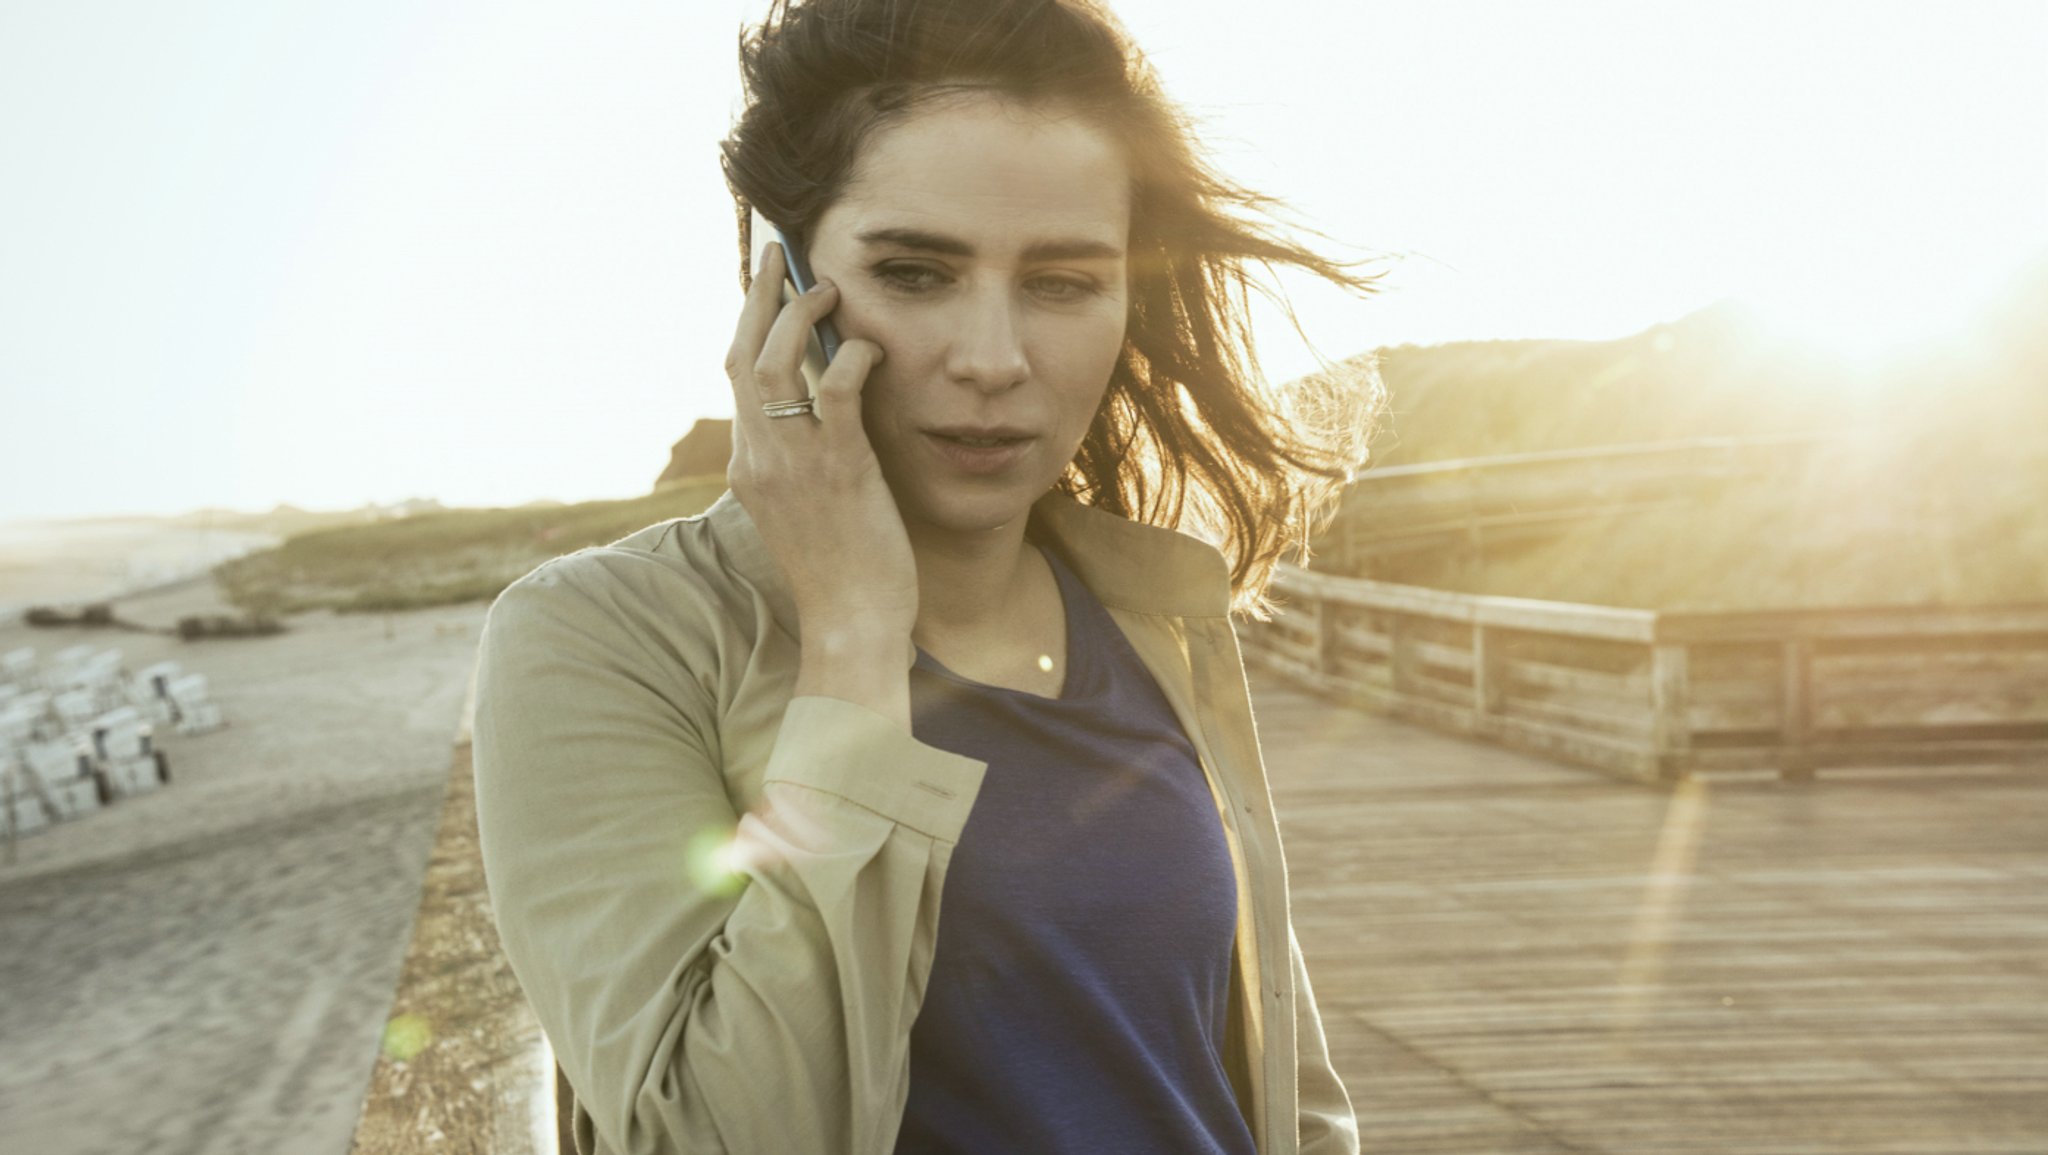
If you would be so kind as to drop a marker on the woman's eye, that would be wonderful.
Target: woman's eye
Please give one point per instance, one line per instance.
(917, 277)
(1061, 289)
(911, 278)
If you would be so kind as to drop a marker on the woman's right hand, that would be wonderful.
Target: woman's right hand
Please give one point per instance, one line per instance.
(811, 483)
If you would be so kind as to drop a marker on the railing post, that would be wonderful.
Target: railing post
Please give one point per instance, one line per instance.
(1401, 659)
(1489, 672)
(1326, 638)
(1671, 708)
(1796, 709)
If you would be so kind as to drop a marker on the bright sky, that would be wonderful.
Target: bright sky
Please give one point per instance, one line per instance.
(331, 253)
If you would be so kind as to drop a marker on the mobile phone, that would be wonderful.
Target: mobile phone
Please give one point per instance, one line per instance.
(824, 341)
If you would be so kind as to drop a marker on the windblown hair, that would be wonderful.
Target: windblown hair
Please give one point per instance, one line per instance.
(1190, 435)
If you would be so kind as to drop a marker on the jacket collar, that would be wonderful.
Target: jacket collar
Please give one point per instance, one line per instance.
(1127, 565)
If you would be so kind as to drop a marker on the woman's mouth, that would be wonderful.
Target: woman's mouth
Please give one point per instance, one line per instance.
(978, 454)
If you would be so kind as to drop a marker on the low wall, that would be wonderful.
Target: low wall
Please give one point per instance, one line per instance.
(464, 1067)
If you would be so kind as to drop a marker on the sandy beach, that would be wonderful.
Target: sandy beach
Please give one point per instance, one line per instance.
(69, 562)
(207, 968)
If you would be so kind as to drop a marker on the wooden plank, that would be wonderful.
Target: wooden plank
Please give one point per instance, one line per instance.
(1511, 956)
(1901, 677)
(1374, 675)
(1755, 662)
(1627, 625)
(1608, 622)
(1795, 706)
(1444, 657)
(2002, 654)
(1838, 754)
(1632, 759)
(1850, 705)
(1759, 691)
(1411, 600)
(1363, 641)
(1427, 685)
(1637, 726)
(1593, 683)
(1287, 644)
(1708, 717)
(1859, 622)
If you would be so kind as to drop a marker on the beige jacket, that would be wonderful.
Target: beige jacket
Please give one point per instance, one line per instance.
(723, 901)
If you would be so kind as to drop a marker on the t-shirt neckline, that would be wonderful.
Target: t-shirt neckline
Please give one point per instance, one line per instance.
(1062, 577)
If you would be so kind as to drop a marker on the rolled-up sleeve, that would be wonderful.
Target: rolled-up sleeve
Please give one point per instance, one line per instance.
(710, 981)
(1328, 1124)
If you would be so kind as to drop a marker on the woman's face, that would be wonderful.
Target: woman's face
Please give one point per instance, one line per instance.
(981, 244)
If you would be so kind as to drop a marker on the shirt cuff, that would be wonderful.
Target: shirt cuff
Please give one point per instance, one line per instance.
(848, 750)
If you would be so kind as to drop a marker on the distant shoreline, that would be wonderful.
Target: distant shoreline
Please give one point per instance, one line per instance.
(14, 615)
(72, 564)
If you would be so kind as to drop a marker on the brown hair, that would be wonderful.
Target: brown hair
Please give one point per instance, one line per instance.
(1190, 435)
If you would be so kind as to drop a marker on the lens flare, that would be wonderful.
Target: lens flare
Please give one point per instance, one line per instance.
(407, 1035)
(715, 861)
(1663, 898)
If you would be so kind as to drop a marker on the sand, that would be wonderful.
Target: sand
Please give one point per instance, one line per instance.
(208, 968)
(67, 563)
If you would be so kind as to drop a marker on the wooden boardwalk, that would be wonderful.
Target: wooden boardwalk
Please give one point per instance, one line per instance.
(1517, 956)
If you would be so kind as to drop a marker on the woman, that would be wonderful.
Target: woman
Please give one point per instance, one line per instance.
(941, 647)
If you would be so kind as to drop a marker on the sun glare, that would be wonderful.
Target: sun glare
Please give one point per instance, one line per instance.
(1866, 317)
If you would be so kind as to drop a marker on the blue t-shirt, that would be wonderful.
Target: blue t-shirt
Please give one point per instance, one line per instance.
(1080, 983)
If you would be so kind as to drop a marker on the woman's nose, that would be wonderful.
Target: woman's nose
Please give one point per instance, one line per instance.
(987, 350)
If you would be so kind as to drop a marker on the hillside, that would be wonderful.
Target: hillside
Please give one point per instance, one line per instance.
(438, 558)
(1721, 371)
(1718, 372)
(286, 520)
(1941, 505)
(703, 452)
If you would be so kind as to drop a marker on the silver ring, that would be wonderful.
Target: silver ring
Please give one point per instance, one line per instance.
(796, 408)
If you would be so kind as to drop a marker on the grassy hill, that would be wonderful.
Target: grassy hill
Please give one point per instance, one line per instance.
(437, 558)
(286, 520)
(1719, 372)
(1942, 503)
(1871, 522)
(1715, 373)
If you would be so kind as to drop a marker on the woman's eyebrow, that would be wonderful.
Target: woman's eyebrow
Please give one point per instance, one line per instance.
(1056, 250)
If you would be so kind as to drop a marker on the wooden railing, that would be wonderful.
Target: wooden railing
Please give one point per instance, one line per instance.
(1663, 695)
(1643, 693)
